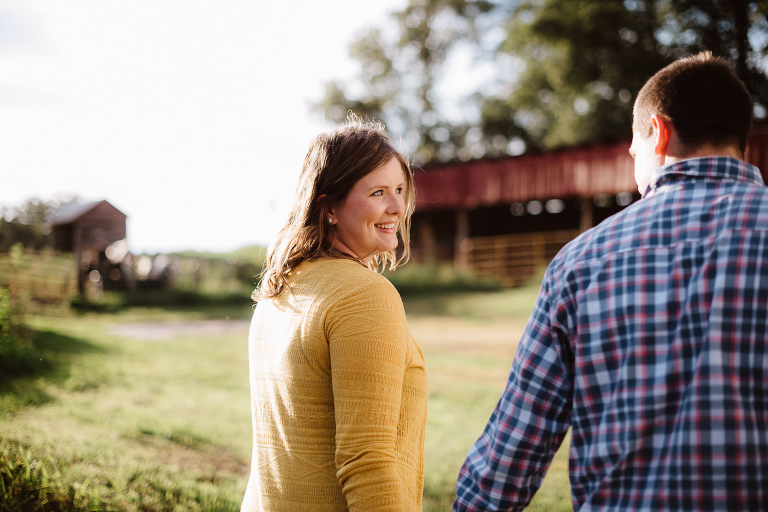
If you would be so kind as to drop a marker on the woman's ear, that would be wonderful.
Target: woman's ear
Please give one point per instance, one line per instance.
(330, 215)
(327, 210)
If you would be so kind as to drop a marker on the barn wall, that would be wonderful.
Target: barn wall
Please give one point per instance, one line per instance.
(561, 175)
(571, 173)
(63, 237)
(102, 225)
(478, 199)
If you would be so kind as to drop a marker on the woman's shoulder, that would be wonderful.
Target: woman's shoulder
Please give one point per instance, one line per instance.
(344, 271)
(340, 278)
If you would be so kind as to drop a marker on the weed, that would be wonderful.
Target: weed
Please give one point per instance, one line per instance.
(31, 484)
(18, 355)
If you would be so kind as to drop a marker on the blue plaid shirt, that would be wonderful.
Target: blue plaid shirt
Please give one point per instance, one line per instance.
(649, 339)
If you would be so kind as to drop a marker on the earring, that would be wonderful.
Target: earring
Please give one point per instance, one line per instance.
(330, 220)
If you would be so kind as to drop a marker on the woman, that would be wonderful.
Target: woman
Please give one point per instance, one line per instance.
(338, 383)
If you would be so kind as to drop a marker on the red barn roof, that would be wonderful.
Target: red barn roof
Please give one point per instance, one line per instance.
(580, 172)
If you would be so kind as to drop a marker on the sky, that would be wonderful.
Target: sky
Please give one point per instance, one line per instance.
(192, 117)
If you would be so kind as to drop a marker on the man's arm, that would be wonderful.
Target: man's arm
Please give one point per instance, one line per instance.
(507, 464)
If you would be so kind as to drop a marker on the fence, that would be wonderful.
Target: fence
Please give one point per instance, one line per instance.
(514, 259)
(39, 276)
(52, 277)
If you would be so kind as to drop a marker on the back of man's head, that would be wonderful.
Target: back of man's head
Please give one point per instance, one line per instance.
(702, 97)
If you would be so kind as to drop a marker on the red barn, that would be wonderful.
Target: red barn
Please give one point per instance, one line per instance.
(507, 217)
(86, 230)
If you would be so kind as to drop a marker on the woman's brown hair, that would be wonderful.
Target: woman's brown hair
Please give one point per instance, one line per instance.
(334, 163)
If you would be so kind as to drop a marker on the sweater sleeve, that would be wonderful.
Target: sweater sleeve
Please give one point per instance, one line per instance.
(367, 337)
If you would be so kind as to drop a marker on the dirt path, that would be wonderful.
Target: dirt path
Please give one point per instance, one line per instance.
(163, 331)
(432, 332)
(459, 335)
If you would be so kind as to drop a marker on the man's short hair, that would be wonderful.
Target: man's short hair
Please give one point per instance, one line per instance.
(702, 97)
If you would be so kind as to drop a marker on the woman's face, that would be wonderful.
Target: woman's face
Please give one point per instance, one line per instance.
(366, 222)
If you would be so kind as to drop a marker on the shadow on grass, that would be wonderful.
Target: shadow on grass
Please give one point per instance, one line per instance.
(232, 305)
(53, 353)
(54, 343)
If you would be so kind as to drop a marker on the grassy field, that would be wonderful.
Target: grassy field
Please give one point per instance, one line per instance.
(469, 341)
(148, 410)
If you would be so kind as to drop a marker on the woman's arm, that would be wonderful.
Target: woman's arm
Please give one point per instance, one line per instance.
(367, 336)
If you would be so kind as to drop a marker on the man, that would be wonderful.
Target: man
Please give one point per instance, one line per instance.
(649, 335)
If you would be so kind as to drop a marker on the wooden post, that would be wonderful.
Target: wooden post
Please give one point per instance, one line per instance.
(587, 214)
(460, 249)
(539, 255)
(77, 250)
(427, 239)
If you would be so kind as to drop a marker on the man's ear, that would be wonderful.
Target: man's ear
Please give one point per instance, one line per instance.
(662, 131)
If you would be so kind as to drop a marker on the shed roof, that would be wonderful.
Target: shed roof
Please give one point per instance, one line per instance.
(71, 212)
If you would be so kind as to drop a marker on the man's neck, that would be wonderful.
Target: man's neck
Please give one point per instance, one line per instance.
(705, 150)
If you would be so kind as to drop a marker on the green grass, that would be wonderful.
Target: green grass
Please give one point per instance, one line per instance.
(463, 393)
(149, 425)
(468, 362)
(124, 424)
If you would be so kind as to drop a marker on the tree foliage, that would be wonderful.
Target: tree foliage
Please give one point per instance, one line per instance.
(400, 70)
(28, 224)
(541, 73)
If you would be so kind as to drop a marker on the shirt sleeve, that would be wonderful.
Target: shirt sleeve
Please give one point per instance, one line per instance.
(367, 336)
(507, 464)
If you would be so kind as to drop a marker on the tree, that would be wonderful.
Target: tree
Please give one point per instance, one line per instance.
(587, 59)
(734, 29)
(28, 224)
(555, 72)
(400, 71)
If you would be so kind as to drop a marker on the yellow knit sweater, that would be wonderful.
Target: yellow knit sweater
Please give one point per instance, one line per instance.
(338, 394)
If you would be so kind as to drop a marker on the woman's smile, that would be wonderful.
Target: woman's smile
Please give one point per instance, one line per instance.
(366, 223)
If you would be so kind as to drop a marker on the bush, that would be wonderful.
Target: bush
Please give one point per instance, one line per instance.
(18, 355)
(425, 279)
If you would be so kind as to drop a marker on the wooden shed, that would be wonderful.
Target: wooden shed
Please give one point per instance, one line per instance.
(507, 217)
(86, 230)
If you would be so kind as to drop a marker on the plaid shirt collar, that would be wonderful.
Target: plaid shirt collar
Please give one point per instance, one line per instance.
(710, 167)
